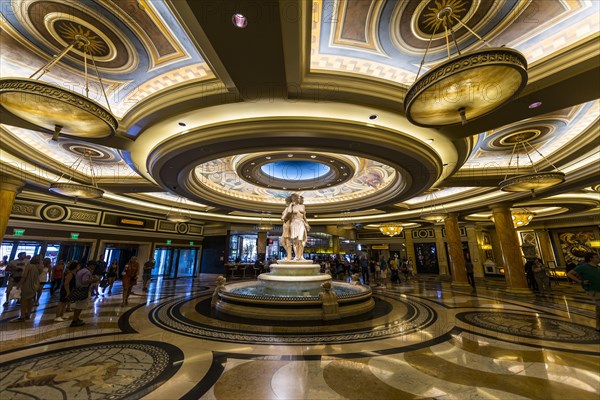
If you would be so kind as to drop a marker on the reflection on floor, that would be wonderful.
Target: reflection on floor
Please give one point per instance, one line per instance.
(424, 339)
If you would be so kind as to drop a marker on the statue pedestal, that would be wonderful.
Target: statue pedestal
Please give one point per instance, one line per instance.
(293, 278)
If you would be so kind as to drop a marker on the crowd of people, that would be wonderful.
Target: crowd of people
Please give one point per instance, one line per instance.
(75, 282)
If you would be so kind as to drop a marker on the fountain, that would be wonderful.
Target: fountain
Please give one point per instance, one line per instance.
(294, 289)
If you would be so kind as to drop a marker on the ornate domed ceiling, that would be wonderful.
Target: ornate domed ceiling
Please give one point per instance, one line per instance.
(306, 98)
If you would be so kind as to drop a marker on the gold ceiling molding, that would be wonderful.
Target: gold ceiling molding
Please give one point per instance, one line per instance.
(228, 139)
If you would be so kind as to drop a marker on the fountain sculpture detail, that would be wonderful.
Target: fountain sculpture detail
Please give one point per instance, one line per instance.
(294, 289)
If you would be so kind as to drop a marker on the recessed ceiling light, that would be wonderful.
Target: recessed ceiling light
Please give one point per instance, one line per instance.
(268, 157)
(331, 160)
(290, 155)
(535, 104)
(239, 20)
(182, 124)
(252, 163)
(373, 116)
(429, 140)
(313, 156)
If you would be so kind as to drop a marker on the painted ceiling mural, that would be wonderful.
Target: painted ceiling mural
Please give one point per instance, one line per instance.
(387, 39)
(370, 177)
(139, 47)
(143, 50)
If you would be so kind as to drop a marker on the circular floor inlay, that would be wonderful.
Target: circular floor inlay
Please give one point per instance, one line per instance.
(531, 326)
(111, 370)
(187, 317)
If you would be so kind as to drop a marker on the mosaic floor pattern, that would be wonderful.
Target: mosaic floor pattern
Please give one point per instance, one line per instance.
(423, 340)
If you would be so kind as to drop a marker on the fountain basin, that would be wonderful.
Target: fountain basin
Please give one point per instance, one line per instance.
(291, 285)
(253, 300)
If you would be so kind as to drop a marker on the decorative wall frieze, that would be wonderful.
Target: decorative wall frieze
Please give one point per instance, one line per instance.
(26, 209)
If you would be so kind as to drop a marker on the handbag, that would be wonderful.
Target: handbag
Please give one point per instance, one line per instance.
(78, 294)
(15, 293)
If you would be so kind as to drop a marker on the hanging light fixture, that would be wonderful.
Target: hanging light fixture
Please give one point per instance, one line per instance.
(74, 189)
(56, 109)
(264, 225)
(391, 229)
(520, 217)
(433, 212)
(344, 222)
(179, 213)
(530, 181)
(467, 86)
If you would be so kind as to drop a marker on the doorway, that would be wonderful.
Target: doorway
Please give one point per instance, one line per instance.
(426, 258)
(175, 262)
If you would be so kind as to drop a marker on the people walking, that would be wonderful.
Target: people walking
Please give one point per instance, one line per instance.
(130, 275)
(588, 275)
(28, 284)
(57, 276)
(470, 275)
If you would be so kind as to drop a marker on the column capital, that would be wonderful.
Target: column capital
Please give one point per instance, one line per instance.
(10, 183)
(502, 205)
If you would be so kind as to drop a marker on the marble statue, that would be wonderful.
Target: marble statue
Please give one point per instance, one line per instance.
(220, 287)
(329, 302)
(286, 240)
(299, 227)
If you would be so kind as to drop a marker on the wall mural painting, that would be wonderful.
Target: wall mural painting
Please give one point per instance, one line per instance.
(574, 245)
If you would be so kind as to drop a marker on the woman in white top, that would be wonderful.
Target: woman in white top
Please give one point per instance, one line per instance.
(298, 225)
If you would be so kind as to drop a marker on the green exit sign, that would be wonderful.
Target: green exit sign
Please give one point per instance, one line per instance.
(18, 232)
(74, 235)
(169, 241)
(191, 243)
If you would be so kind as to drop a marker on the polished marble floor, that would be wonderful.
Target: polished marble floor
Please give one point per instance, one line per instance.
(424, 340)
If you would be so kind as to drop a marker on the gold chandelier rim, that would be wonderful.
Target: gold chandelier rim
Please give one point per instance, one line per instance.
(69, 98)
(445, 70)
(539, 180)
(67, 188)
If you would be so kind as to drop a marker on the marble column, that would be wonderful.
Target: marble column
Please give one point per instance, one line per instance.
(514, 271)
(442, 255)
(545, 245)
(261, 246)
(457, 257)
(9, 187)
(477, 257)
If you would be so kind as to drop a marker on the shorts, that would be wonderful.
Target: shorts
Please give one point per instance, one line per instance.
(81, 304)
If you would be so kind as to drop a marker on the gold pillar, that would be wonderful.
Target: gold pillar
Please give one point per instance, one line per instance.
(545, 245)
(473, 237)
(410, 248)
(335, 244)
(514, 271)
(440, 245)
(457, 257)
(9, 187)
(261, 246)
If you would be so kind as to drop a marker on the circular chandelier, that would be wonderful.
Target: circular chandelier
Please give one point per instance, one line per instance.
(520, 218)
(179, 213)
(433, 212)
(391, 229)
(74, 189)
(56, 109)
(529, 181)
(467, 86)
